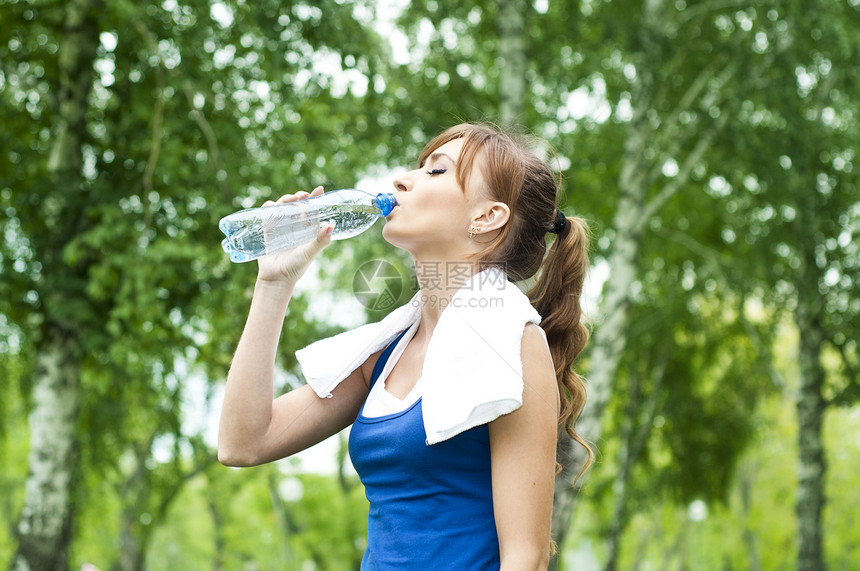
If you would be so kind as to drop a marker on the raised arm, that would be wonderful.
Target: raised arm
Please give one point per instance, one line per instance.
(522, 452)
(254, 428)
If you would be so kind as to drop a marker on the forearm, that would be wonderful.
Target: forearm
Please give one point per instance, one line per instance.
(247, 407)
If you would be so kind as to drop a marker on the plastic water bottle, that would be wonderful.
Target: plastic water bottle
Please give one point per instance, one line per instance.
(255, 232)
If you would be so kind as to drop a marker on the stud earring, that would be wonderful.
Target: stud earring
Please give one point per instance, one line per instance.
(473, 230)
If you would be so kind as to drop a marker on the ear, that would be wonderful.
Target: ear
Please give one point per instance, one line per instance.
(493, 216)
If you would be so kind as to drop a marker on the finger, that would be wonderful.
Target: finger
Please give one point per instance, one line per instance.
(288, 198)
(312, 249)
(317, 191)
(323, 238)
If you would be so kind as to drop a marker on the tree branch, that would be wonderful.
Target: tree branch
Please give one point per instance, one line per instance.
(670, 126)
(196, 114)
(672, 187)
(208, 132)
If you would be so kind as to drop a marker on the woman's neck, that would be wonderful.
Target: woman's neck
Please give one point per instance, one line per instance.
(438, 281)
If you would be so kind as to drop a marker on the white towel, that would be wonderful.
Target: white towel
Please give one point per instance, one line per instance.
(472, 369)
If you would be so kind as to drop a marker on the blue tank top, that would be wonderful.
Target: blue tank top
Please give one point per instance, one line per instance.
(431, 507)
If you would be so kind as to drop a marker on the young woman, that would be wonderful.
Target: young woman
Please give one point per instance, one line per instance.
(455, 398)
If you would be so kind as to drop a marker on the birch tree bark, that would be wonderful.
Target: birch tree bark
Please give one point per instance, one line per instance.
(44, 527)
(811, 406)
(607, 344)
(809, 319)
(610, 337)
(512, 57)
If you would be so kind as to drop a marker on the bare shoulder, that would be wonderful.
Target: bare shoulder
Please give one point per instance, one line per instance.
(541, 400)
(534, 341)
(538, 369)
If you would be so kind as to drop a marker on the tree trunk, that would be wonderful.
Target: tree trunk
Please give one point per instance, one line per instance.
(131, 552)
(220, 543)
(134, 490)
(610, 336)
(628, 223)
(282, 514)
(811, 404)
(512, 53)
(44, 527)
(619, 496)
(810, 413)
(147, 501)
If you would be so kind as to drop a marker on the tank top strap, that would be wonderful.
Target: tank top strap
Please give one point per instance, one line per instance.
(383, 358)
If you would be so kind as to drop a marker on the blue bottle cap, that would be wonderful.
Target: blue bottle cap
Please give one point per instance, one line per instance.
(386, 203)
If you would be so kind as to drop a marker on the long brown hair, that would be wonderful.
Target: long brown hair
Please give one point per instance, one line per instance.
(517, 177)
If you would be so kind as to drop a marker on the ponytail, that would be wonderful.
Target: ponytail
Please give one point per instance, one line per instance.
(557, 298)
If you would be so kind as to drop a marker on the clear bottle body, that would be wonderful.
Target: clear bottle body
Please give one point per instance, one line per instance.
(256, 232)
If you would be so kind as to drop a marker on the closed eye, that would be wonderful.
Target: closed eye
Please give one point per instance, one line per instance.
(437, 171)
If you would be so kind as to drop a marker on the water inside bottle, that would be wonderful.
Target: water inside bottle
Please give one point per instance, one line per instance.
(289, 227)
(350, 221)
(261, 231)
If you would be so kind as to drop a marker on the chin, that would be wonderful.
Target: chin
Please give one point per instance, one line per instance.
(398, 240)
(390, 235)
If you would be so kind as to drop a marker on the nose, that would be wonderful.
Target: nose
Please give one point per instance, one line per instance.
(403, 182)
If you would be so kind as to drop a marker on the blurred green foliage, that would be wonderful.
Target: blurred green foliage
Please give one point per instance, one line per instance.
(199, 108)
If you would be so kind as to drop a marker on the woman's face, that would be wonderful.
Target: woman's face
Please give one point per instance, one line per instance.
(433, 213)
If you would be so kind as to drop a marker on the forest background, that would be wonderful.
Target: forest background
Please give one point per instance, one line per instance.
(710, 144)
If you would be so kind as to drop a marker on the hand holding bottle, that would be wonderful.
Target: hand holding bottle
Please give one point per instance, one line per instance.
(288, 265)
